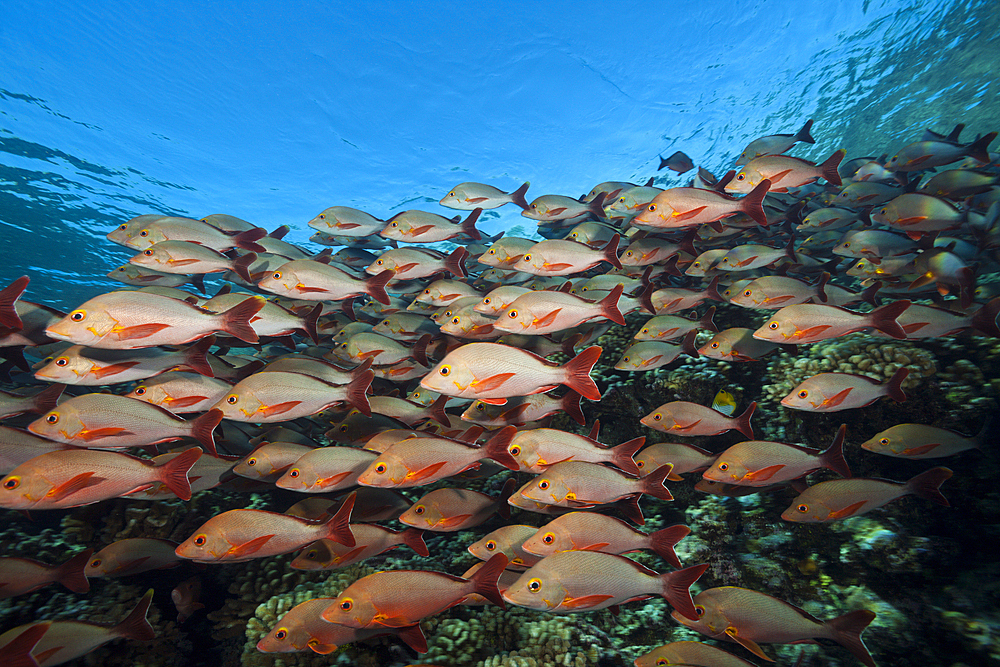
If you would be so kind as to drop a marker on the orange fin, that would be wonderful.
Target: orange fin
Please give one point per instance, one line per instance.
(585, 601)
(247, 548)
(847, 511)
(139, 331)
(107, 432)
(424, 473)
(919, 451)
(764, 473)
(558, 266)
(811, 331)
(423, 229)
(72, 485)
(186, 401)
(837, 398)
(780, 175)
(493, 382)
(333, 480)
(686, 215)
(686, 427)
(594, 547)
(278, 409)
(494, 401)
(114, 369)
(748, 644)
(452, 521)
(546, 320)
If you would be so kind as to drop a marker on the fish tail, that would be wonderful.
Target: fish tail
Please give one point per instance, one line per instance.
(280, 232)
(985, 319)
(338, 526)
(712, 291)
(609, 305)
(17, 652)
(829, 168)
(174, 473)
(484, 581)
(652, 484)
(469, 225)
(375, 286)
(663, 542)
(509, 487)
(236, 320)
(356, 392)
(135, 626)
(646, 299)
(570, 404)
(195, 357)
(753, 203)
(979, 149)
(413, 637)
(687, 243)
(629, 507)
(743, 421)
(847, 629)
(954, 134)
(621, 455)
(436, 410)
(517, 196)
(246, 239)
(203, 427)
(414, 538)
(310, 321)
(365, 365)
(927, 485)
(688, 346)
(833, 458)
(707, 320)
(966, 286)
(241, 266)
(455, 262)
(71, 573)
(47, 399)
(803, 134)
(496, 448)
(611, 249)
(419, 350)
(597, 207)
(577, 373)
(677, 589)
(8, 296)
(884, 318)
(198, 280)
(894, 388)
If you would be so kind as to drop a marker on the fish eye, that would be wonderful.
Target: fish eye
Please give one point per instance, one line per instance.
(884, 441)
(124, 225)
(534, 206)
(451, 194)
(696, 264)
(515, 450)
(657, 417)
(621, 199)
(445, 370)
(543, 484)
(11, 483)
(847, 244)
(652, 207)
(625, 359)
(723, 467)
(512, 314)
(772, 325)
(62, 361)
(148, 252)
(491, 545)
(456, 320)
(200, 540)
(640, 464)
(232, 399)
(698, 609)
(144, 233)
(379, 262)
(741, 177)
(322, 216)
(311, 554)
(52, 418)
(803, 393)
(394, 224)
(645, 330)
(95, 563)
(78, 315)
(527, 258)
(140, 391)
(492, 252)
(380, 468)
(277, 275)
(747, 293)
(481, 407)
(280, 633)
(346, 604)
(548, 538)
(715, 345)
(343, 429)
(294, 472)
(535, 585)
(803, 508)
(419, 509)
(251, 462)
(661, 661)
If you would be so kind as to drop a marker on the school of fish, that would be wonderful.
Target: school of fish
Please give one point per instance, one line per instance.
(368, 373)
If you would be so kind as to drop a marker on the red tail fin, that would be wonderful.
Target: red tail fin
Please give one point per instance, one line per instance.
(496, 448)
(663, 542)
(753, 203)
(455, 262)
(712, 291)
(621, 455)
(611, 249)
(17, 652)
(833, 457)
(195, 357)
(609, 305)
(677, 589)
(135, 625)
(894, 388)
(829, 167)
(414, 538)
(236, 320)
(241, 266)
(597, 208)
(652, 484)
(246, 239)
(509, 487)
(707, 320)
(70, 573)
(203, 427)
(419, 350)
(47, 399)
(927, 485)
(570, 404)
(412, 636)
(357, 392)
(280, 232)
(469, 225)
(375, 286)
(743, 421)
(985, 319)
(437, 410)
(338, 526)
(517, 196)
(309, 322)
(485, 580)
(577, 373)
(847, 631)
(8, 296)
(174, 473)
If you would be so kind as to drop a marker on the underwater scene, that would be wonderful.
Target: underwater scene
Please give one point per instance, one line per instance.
(528, 334)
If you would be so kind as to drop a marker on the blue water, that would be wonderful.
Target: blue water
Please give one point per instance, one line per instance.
(114, 109)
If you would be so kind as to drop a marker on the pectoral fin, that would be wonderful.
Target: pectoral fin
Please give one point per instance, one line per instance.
(277, 409)
(748, 644)
(847, 511)
(247, 548)
(424, 473)
(584, 602)
(764, 473)
(452, 521)
(138, 331)
(72, 485)
(837, 398)
(687, 215)
(98, 433)
(492, 382)
(113, 369)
